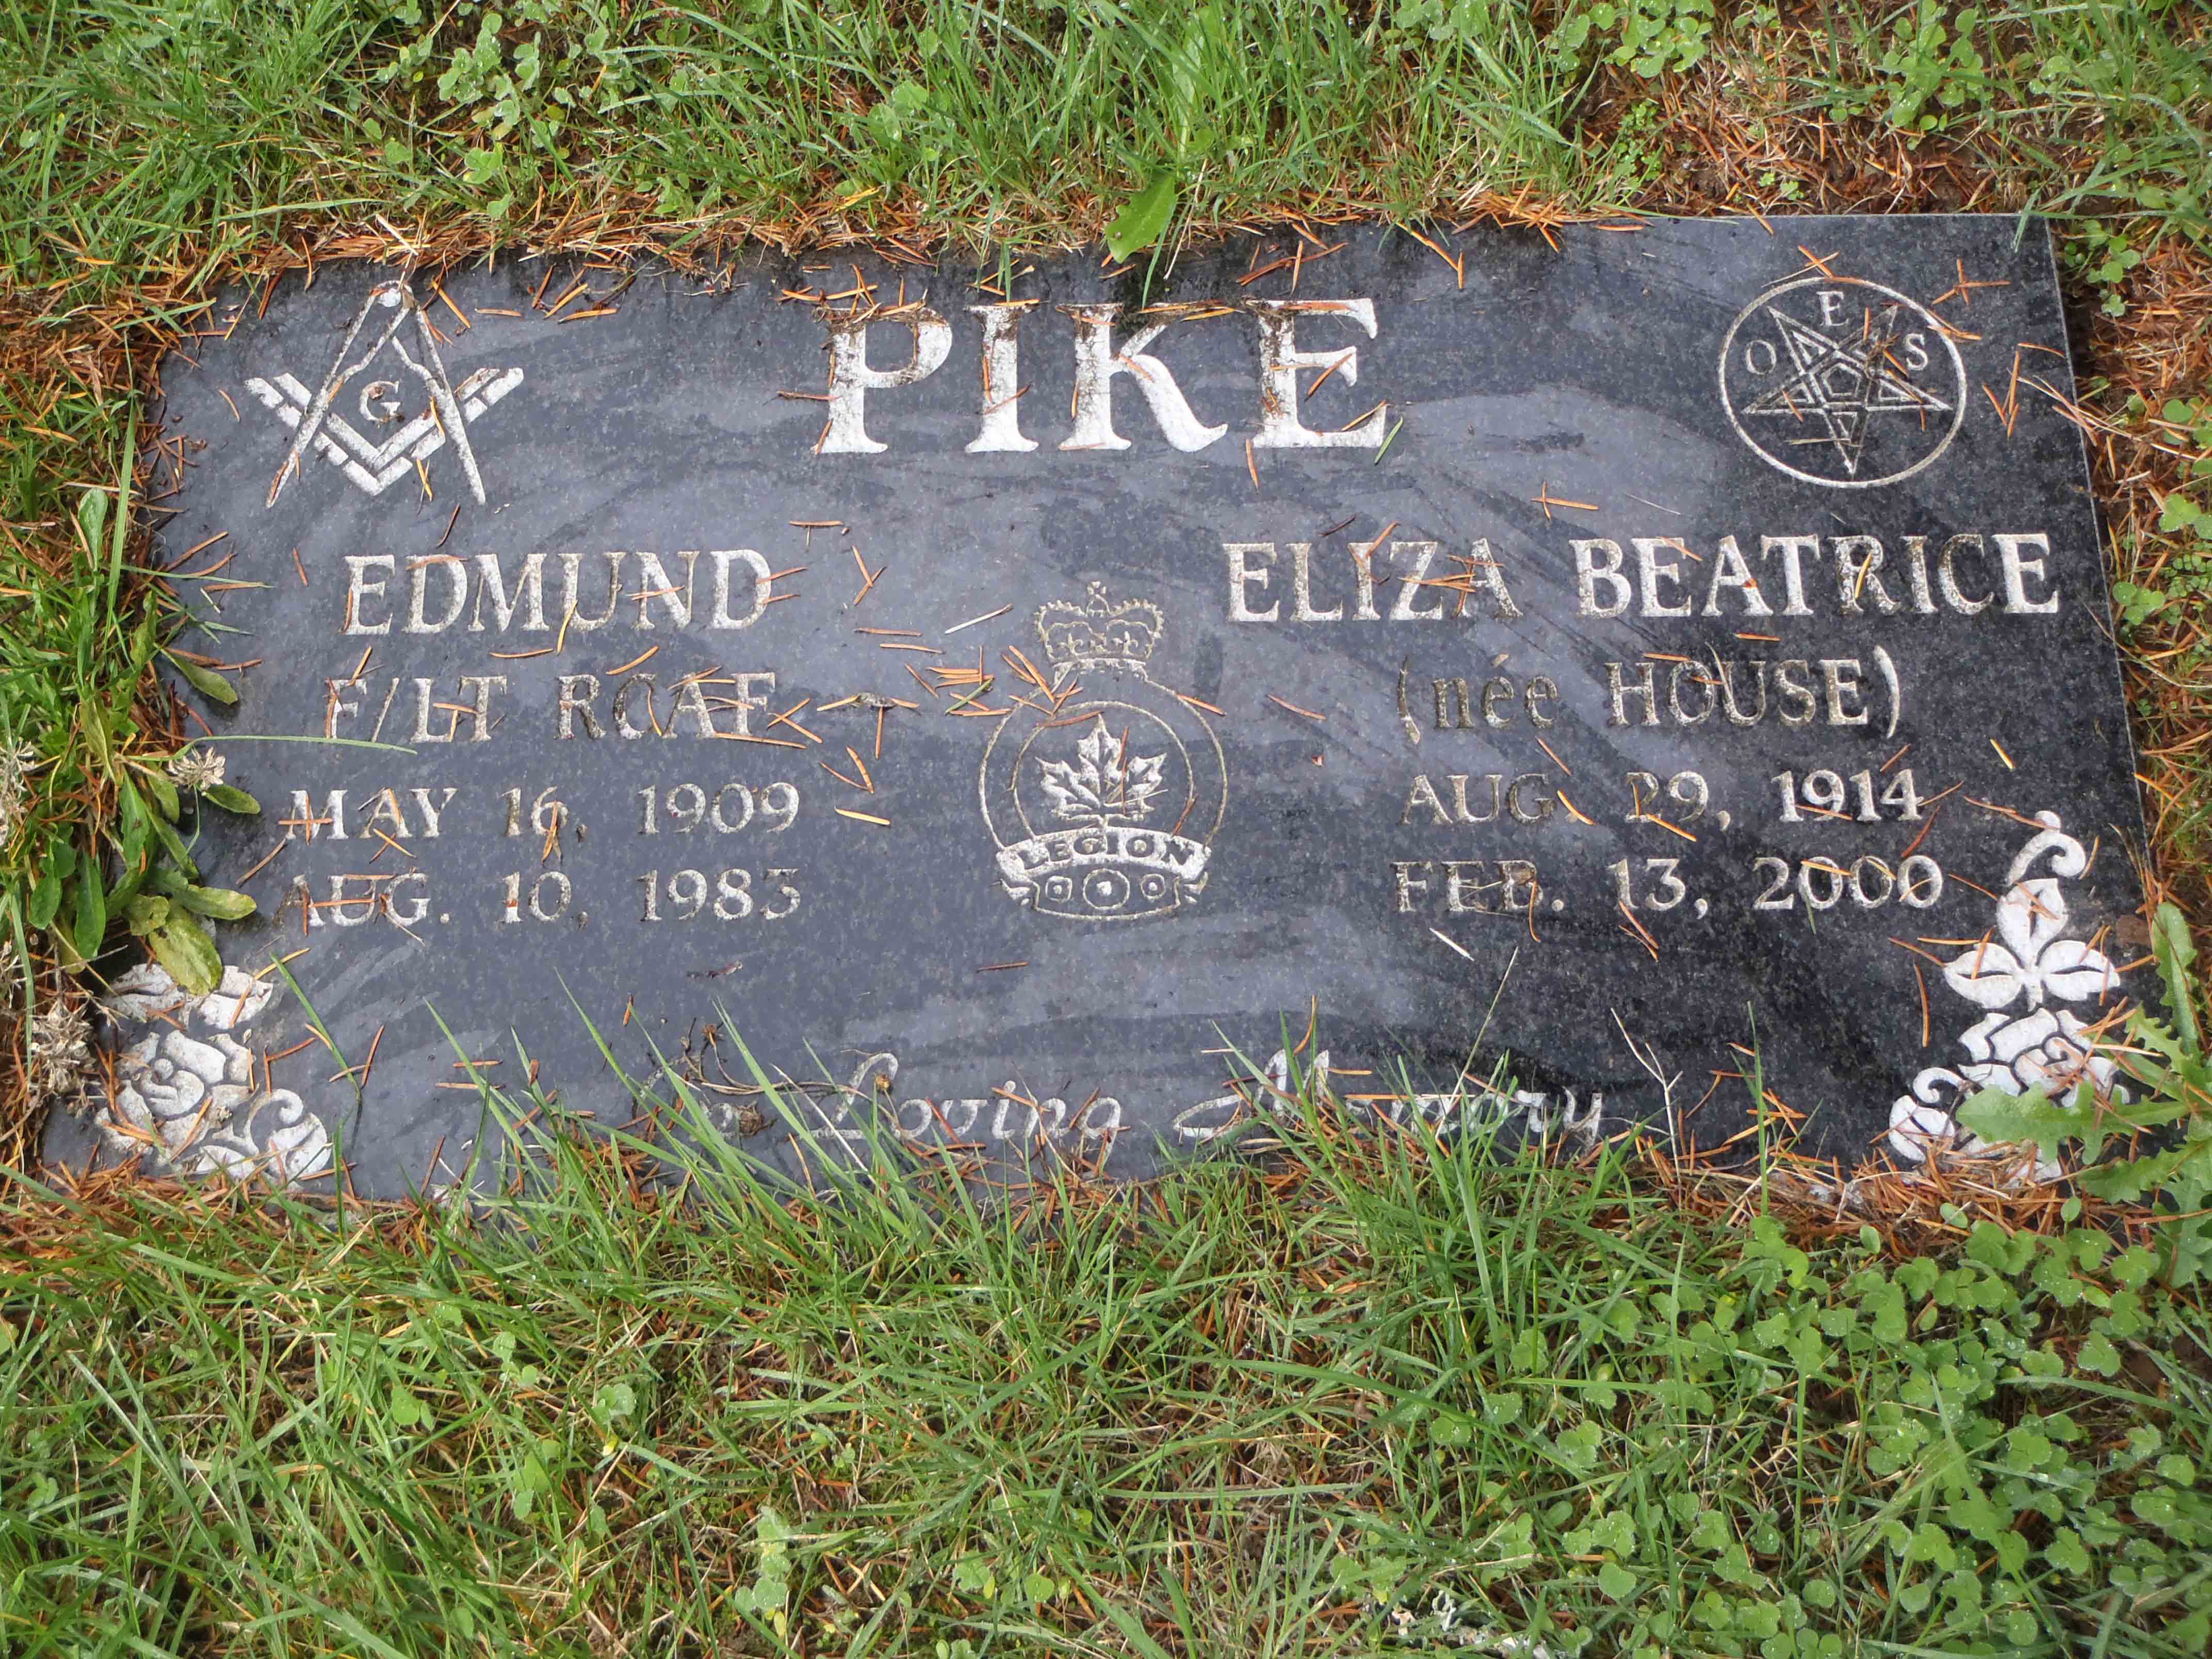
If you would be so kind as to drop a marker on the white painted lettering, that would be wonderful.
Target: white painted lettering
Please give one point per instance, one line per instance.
(1486, 576)
(1730, 570)
(574, 616)
(432, 815)
(529, 586)
(2017, 570)
(1651, 574)
(1597, 560)
(1793, 693)
(851, 380)
(1096, 364)
(1280, 360)
(1916, 572)
(359, 587)
(307, 824)
(422, 702)
(415, 883)
(1002, 388)
(578, 693)
(334, 704)
(757, 566)
(1363, 577)
(1409, 584)
(653, 583)
(477, 711)
(1859, 574)
(1947, 576)
(457, 591)
(1302, 605)
(624, 724)
(1423, 794)
(744, 702)
(1410, 884)
(1621, 690)
(1245, 575)
(1793, 549)
(1841, 674)
(387, 812)
(691, 699)
(1683, 716)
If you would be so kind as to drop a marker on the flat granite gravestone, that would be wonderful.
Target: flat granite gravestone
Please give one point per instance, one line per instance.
(1040, 711)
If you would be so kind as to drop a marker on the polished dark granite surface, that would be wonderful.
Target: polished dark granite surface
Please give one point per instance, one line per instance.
(1025, 719)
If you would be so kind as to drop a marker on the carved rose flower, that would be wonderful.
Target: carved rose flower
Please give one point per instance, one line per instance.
(186, 1093)
(1920, 1126)
(2048, 1049)
(176, 1088)
(281, 1142)
(1924, 1124)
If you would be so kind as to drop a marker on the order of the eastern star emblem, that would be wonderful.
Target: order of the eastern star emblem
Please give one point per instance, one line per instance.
(1843, 382)
(373, 466)
(1103, 797)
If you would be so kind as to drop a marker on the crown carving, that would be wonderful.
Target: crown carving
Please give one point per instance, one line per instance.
(1100, 632)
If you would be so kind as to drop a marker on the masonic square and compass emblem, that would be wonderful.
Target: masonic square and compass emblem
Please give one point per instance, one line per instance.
(1103, 805)
(373, 466)
(1842, 382)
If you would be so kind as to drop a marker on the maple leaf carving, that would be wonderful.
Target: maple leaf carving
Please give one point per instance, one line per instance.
(1099, 785)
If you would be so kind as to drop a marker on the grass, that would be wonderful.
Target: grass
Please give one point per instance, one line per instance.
(1398, 1399)
(1002, 120)
(1386, 1399)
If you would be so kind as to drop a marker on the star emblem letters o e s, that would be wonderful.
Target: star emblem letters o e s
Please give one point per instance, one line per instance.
(1842, 382)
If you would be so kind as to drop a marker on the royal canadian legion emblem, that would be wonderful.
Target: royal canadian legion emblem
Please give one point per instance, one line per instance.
(1105, 802)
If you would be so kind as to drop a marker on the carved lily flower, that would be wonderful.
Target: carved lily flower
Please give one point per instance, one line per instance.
(2030, 955)
(2017, 1049)
(1922, 1122)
